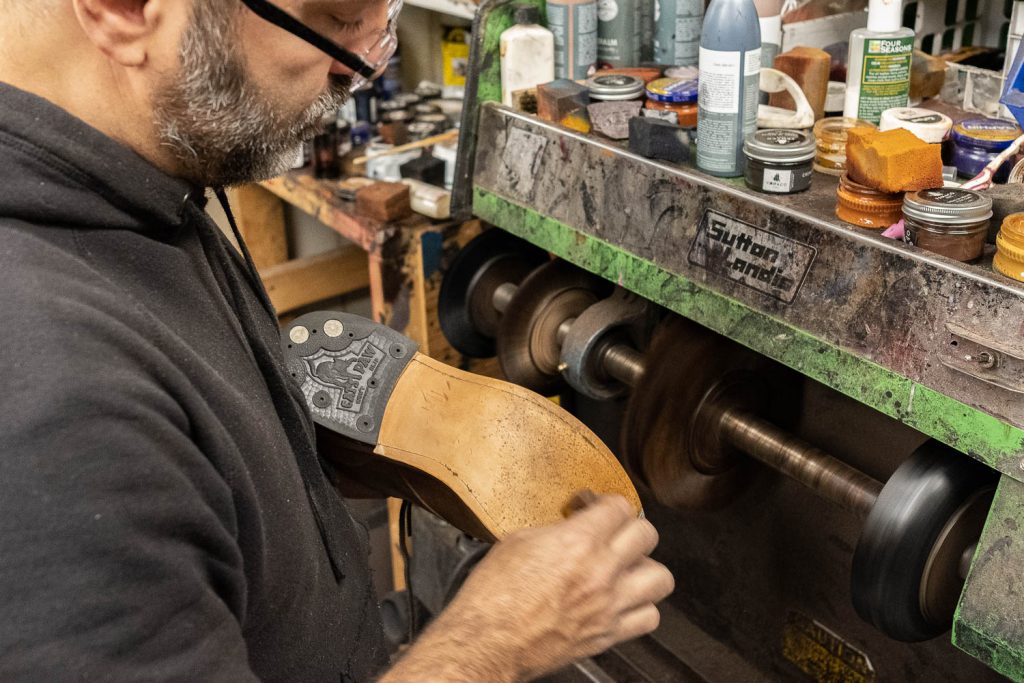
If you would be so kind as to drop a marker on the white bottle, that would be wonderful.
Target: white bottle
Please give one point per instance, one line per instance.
(769, 16)
(527, 54)
(878, 69)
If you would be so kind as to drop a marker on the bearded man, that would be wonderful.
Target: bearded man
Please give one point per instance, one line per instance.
(164, 514)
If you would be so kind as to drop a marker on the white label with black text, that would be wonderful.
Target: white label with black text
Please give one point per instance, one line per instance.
(777, 181)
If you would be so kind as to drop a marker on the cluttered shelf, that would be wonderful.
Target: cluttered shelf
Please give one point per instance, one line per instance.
(741, 231)
(333, 203)
(909, 332)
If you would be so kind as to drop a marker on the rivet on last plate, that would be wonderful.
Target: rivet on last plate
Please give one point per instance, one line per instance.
(333, 328)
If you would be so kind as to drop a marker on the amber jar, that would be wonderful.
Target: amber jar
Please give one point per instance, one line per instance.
(866, 207)
(948, 221)
(676, 96)
(830, 135)
(1009, 258)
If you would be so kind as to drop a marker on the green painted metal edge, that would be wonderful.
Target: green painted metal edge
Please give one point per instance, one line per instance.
(965, 428)
(988, 620)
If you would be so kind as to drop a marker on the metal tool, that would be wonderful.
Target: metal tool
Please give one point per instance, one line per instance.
(502, 296)
(701, 407)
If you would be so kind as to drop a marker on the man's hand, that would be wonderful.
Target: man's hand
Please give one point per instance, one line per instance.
(543, 598)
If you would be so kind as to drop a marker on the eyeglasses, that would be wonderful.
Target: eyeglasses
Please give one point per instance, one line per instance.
(366, 65)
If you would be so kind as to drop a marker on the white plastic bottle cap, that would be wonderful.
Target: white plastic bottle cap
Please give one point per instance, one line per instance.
(930, 126)
(885, 16)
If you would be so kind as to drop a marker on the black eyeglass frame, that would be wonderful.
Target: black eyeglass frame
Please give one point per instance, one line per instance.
(277, 16)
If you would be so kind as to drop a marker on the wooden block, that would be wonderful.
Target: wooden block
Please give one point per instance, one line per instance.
(809, 67)
(892, 161)
(558, 99)
(260, 218)
(384, 202)
(578, 120)
(927, 74)
(305, 281)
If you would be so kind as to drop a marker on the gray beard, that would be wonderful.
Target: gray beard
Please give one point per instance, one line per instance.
(220, 127)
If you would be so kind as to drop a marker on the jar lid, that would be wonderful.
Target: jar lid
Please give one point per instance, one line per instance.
(407, 99)
(949, 205)
(833, 128)
(396, 116)
(780, 145)
(929, 126)
(390, 106)
(683, 73)
(615, 87)
(672, 90)
(992, 134)
(435, 119)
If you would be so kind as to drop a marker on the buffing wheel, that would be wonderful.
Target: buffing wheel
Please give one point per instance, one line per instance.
(528, 344)
(671, 439)
(466, 301)
(908, 566)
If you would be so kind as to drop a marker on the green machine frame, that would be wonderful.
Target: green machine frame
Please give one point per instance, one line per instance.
(914, 336)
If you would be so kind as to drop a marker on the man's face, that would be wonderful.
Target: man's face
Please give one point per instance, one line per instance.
(246, 93)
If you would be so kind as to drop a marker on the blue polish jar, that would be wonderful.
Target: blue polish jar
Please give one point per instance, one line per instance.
(978, 141)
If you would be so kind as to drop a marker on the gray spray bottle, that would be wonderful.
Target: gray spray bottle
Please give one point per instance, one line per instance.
(730, 64)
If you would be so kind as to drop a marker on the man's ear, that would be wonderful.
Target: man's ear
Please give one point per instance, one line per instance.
(121, 29)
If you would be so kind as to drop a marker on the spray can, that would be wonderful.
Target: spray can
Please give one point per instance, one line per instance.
(730, 64)
(646, 30)
(677, 31)
(618, 33)
(769, 15)
(574, 23)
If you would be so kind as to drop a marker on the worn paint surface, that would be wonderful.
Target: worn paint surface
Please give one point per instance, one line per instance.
(499, 17)
(988, 623)
(962, 427)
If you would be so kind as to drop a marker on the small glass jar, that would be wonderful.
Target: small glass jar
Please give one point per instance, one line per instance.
(674, 95)
(830, 134)
(779, 161)
(866, 207)
(615, 88)
(978, 141)
(948, 221)
(1009, 258)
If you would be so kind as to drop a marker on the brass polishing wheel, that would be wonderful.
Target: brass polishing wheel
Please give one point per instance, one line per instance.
(529, 341)
(466, 301)
(670, 440)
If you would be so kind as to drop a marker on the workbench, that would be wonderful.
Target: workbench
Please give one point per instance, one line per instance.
(928, 341)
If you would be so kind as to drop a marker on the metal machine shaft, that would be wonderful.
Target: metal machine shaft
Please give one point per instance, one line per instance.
(829, 477)
(824, 474)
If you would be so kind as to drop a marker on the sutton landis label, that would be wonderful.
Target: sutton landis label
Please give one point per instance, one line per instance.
(754, 257)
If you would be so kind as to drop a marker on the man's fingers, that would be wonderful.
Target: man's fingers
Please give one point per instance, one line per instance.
(604, 516)
(638, 622)
(646, 582)
(634, 540)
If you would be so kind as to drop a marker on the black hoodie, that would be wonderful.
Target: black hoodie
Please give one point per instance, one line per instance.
(163, 514)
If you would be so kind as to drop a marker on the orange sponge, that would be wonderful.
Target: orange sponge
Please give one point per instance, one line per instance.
(893, 161)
